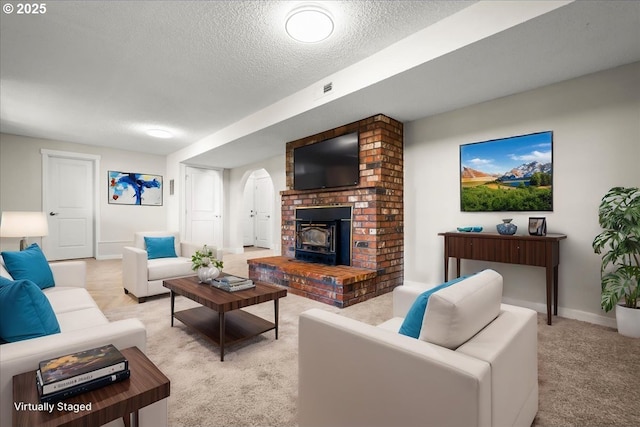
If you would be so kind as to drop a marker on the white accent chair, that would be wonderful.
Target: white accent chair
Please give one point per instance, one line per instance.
(473, 364)
(143, 277)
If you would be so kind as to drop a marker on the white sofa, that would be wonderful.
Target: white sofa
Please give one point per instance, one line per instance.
(143, 277)
(82, 326)
(355, 374)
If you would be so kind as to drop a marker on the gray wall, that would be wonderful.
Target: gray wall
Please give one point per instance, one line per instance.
(596, 125)
(21, 188)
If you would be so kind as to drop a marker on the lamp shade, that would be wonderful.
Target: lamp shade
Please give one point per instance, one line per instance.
(23, 224)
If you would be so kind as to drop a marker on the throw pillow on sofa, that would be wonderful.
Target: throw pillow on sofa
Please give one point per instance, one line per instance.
(457, 313)
(160, 247)
(412, 323)
(25, 312)
(29, 264)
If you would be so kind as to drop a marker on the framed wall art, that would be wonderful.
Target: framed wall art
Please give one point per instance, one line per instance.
(507, 174)
(128, 188)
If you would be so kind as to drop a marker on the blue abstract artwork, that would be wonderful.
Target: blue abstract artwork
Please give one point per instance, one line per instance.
(126, 188)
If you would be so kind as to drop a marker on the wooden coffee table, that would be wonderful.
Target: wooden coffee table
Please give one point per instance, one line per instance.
(220, 319)
(146, 385)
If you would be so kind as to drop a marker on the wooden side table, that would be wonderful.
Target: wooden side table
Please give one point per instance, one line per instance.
(539, 251)
(146, 385)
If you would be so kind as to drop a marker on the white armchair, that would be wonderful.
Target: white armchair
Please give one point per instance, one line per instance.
(143, 277)
(464, 370)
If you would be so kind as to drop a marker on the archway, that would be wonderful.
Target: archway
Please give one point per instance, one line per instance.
(257, 208)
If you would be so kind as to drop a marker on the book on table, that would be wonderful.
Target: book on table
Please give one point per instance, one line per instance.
(83, 387)
(75, 369)
(233, 283)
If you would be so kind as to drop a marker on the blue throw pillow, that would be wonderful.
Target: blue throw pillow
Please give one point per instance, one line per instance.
(160, 247)
(412, 323)
(29, 264)
(25, 312)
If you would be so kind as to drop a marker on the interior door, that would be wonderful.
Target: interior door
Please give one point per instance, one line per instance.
(248, 213)
(264, 210)
(70, 207)
(203, 200)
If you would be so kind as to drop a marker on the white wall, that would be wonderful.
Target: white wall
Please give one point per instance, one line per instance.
(21, 188)
(596, 125)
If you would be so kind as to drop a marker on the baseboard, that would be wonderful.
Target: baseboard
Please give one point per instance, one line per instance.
(111, 256)
(568, 313)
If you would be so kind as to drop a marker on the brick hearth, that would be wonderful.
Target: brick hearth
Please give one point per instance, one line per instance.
(331, 284)
(377, 221)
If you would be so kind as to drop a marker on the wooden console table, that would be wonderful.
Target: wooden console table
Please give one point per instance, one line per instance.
(540, 251)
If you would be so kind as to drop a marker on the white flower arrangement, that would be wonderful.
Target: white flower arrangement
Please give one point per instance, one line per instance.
(204, 258)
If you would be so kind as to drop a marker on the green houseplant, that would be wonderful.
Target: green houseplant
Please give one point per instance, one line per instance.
(205, 264)
(619, 245)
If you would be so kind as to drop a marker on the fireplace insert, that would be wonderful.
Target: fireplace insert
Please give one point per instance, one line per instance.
(323, 235)
(316, 242)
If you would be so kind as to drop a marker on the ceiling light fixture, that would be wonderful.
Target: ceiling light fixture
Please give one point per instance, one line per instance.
(309, 24)
(160, 133)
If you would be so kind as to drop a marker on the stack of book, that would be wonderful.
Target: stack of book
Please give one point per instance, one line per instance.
(233, 283)
(72, 374)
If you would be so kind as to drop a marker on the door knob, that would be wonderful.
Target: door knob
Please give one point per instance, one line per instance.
(53, 213)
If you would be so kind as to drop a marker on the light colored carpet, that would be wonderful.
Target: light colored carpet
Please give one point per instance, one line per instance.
(256, 385)
(587, 373)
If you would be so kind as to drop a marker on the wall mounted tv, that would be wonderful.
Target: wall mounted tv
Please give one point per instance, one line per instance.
(507, 174)
(330, 163)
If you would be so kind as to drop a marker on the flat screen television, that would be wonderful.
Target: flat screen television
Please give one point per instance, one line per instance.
(326, 164)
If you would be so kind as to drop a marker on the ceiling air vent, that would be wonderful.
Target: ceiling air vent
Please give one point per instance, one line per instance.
(327, 88)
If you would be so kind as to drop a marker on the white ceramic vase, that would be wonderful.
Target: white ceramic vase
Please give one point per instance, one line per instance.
(628, 321)
(207, 274)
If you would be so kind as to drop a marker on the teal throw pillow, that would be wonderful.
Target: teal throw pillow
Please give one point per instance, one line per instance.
(25, 312)
(29, 264)
(160, 247)
(412, 323)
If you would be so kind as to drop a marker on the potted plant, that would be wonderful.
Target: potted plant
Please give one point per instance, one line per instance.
(205, 264)
(619, 244)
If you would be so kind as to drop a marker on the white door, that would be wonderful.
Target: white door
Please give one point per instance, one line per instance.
(248, 213)
(264, 210)
(69, 203)
(203, 200)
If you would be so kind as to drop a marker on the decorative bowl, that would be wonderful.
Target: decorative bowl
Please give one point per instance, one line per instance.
(474, 228)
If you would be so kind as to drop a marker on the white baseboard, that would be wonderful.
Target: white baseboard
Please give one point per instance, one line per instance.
(110, 256)
(568, 313)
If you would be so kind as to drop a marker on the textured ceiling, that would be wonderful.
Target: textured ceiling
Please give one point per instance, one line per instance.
(99, 72)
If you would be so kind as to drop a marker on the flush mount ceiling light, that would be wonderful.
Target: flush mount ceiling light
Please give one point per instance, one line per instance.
(160, 133)
(309, 24)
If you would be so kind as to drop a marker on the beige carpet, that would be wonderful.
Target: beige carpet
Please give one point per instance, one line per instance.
(588, 374)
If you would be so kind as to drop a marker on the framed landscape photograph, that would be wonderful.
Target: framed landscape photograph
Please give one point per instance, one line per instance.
(507, 174)
(129, 188)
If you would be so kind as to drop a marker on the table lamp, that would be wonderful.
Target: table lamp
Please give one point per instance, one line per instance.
(24, 225)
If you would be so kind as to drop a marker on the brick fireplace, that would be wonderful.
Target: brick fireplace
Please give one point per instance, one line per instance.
(374, 233)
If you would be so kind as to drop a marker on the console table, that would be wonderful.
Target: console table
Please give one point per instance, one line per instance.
(540, 251)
